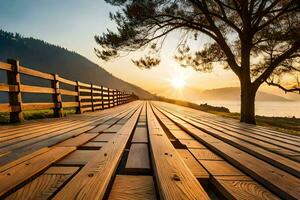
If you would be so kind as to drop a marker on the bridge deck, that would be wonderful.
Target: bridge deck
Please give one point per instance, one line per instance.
(147, 150)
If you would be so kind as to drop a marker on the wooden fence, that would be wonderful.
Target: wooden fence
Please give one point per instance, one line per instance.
(87, 97)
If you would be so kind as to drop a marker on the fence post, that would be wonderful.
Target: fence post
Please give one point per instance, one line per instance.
(15, 98)
(56, 97)
(118, 97)
(78, 109)
(92, 98)
(102, 100)
(108, 94)
(122, 98)
(114, 92)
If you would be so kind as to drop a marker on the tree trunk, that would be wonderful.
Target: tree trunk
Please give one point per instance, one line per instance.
(248, 104)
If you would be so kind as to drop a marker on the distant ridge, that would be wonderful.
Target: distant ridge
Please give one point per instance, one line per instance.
(233, 94)
(40, 55)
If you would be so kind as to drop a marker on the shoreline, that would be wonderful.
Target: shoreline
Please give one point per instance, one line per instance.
(290, 125)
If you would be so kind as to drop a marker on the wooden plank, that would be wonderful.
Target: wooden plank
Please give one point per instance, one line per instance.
(35, 73)
(253, 193)
(12, 176)
(85, 90)
(98, 108)
(96, 92)
(113, 129)
(85, 97)
(98, 98)
(180, 135)
(45, 185)
(142, 124)
(138, 159)
(192, 144)
(69, 104)
(252, 131)
(241, 187)
(5, 66)
(5, 107)
(37, 106)
(84, 85)
(285, 142)
(261, 171)
(36, 89)
(259, 152)
(61, 170)
(104, 137)
(174, 179)
(78, 140)
(92, 145)
(195, 167)
(86, 103)
(19, 135)
(68, 92)
(140, 135)
(110, 121)
(260, 130)
(204, 154)
(220, 167)
(23, 159)
(98, 172)
(172, 127)
(126, 187)
(28, 146)
(66, 81)
(8, 88)
(78, 157)
(33, 133)
(254, 139)
(96, 87)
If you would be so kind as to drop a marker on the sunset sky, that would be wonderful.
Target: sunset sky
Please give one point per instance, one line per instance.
(73, 23)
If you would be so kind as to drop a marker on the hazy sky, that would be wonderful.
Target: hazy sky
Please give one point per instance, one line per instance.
(73, 23)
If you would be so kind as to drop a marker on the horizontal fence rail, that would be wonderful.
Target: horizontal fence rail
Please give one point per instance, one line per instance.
(87, 97)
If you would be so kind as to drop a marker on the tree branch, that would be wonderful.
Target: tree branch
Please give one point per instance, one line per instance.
(286, 90)
(263, 77)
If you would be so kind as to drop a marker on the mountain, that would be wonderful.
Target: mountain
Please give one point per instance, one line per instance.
(233, 94)
(45, 57)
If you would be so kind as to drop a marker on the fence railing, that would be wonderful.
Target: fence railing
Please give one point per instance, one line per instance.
(87, 97)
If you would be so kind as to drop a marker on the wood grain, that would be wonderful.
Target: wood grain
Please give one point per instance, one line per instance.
(138, 159)
(192, 144)
(195, 167)
(97, 172)
(140, 135)
(241, 187)
(45, 185)
(204, 154)
(78, 140)
(266, 174)
(104, 137)
(126, 187)
(174, 179)
(30, 168)
(78, 157)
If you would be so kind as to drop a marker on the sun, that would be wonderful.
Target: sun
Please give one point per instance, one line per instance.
(178, 82)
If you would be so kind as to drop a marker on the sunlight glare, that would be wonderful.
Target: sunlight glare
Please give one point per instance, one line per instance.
(178, 82)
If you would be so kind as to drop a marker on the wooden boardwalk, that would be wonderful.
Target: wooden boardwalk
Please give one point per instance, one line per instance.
(147, 150)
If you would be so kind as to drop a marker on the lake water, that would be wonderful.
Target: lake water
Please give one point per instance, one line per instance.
(264, 108)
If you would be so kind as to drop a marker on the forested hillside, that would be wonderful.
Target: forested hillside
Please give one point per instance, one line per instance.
(40, 55)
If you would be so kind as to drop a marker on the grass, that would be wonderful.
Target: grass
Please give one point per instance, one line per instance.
(35, 114)
(283, 124)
